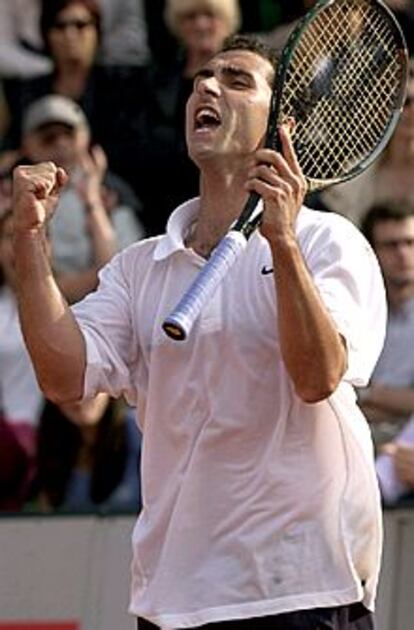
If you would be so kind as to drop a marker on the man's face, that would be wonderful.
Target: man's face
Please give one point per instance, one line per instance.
(58, 143)
(394, 245)
(228, 108)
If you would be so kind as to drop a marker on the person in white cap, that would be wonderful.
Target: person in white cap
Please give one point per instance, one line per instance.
(97, 211)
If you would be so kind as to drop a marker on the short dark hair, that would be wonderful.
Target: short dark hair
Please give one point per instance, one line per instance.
(52, 8)
(254, 45)
(379, 213)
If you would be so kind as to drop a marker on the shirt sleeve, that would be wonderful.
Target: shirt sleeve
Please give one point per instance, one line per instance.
(106, 322)
(347, 275)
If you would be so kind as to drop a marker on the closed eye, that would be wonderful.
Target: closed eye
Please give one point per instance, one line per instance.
(239, 84)
(238, 78)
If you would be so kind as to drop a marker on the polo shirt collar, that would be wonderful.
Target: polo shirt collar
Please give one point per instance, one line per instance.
(177, 227)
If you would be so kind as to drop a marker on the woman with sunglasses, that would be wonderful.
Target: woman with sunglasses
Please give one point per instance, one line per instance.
(124, 39)
(109, 95)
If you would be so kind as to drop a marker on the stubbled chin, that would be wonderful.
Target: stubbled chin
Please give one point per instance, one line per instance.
(199, 153)
(206, 132)
(201, 140)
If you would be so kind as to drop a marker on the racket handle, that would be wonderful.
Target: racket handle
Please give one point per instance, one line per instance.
(180, 322)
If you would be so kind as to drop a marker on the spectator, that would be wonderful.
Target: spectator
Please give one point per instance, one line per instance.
(395, 466)
(94, 219)
(20, 396)
(259, 16)
(124, 37)
(88, 457)
(200, 26)
(389, 400)
(72, 35)
(73, 52)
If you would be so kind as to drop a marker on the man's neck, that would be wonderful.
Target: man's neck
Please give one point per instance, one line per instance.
(221, 202)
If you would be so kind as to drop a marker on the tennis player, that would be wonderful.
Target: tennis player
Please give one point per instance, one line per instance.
(261, 507)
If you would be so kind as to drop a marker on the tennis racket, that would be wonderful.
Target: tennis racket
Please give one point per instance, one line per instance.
(342, 77)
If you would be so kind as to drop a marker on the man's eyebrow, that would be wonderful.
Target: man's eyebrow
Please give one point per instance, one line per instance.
(236, 71)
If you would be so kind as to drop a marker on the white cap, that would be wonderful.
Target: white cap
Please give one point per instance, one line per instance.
(53, 109)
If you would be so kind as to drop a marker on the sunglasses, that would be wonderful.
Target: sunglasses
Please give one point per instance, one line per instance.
(80, 25)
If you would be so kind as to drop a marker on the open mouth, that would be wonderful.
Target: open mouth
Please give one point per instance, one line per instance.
(206, 118)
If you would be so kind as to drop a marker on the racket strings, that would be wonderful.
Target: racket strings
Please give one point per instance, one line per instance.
(351, 68)
(340, 87)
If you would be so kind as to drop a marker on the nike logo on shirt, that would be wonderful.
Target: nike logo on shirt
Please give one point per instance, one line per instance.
(266, 270)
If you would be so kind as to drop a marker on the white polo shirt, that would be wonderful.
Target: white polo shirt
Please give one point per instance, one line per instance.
(255, 503)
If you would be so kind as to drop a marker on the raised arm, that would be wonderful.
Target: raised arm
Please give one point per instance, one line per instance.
(52, 335)
(312, 349)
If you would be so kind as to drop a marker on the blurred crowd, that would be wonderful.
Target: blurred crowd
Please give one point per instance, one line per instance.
(100, 87)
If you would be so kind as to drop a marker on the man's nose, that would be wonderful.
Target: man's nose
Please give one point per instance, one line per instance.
(208, 85)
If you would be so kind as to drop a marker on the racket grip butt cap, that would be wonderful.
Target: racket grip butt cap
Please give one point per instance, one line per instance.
(173, 329)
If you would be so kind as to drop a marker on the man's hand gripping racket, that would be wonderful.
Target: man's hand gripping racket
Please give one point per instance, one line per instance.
(342, 77)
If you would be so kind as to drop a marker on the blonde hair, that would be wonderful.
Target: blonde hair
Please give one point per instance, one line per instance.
(229, 10)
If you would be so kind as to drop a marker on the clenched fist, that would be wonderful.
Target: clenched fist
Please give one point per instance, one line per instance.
(35, 195)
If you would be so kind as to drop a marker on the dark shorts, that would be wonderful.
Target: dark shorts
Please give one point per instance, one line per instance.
(353, 617)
